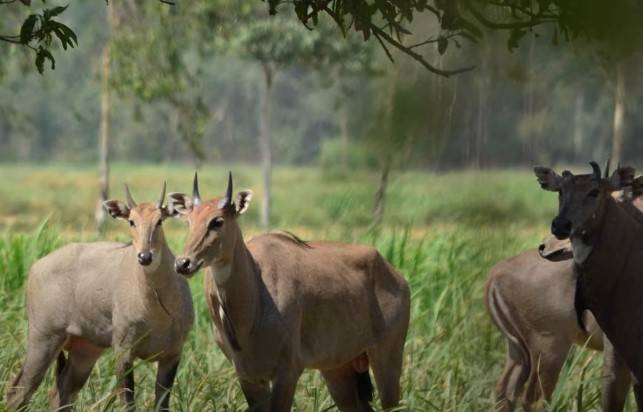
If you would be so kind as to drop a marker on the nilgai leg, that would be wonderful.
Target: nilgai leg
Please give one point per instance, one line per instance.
(386, 362)
(283, 390)
(257, 395)
(41, 351)
(618, 379)
(545, 368)
(125, 377)
(73, 375)
(513, 378)
(638, 394)
(166, 373)
(343, 387)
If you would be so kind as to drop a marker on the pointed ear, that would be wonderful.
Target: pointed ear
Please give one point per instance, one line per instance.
(622, 178)
(243, 201)
(547, 178)
(178, 204)
(116, 209)
(166, 212)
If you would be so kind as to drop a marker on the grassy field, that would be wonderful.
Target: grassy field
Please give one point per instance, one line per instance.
(443, 232)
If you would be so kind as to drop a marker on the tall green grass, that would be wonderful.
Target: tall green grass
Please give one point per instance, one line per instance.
(442, 232)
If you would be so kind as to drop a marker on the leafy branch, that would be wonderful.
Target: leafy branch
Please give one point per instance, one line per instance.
(458, 19)
(38, 32)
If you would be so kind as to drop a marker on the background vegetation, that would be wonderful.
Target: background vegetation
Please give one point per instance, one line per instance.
(336, 141)
(443, 231)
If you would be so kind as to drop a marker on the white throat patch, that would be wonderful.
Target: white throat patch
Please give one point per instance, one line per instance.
(580, 250)
(221, 274)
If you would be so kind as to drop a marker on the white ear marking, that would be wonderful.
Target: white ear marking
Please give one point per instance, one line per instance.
(243, 201)
(179, 204)
(116, 209)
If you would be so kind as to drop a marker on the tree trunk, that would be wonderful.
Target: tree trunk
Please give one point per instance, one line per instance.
(387, 156)
(578, 125)
(343, 134)
(481, 119)
(619, 114)
(530, 144)
(265, 144)
(103, 145)
(448, 126)
(380, 195)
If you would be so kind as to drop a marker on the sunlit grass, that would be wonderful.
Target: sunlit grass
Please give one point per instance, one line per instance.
(442, 231)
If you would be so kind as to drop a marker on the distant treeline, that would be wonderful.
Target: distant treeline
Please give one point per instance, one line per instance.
(537, 104)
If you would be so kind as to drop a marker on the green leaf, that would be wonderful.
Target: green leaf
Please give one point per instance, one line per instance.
(26, 31)
(301, 9)
(62, 37)
(41, 56)
(65, 34)
(48, 13)
(69, 32)
(40, 60)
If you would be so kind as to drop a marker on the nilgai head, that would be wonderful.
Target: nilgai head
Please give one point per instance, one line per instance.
(582, 198)
(213, 228)
(145, 221)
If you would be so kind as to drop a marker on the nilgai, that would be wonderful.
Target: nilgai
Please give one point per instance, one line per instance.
(531, 301)
(281, 305)
(86, 297)
(607, 241)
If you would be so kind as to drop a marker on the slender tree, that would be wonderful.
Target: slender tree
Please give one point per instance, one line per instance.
(278, 43)
(104, 130)
(619, 113)
(265, 141)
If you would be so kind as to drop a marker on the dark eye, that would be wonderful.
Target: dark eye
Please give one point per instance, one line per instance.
(593, 193)
(215, 223)
(131, 223)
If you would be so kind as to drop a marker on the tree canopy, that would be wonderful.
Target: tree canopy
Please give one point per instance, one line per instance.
(515, 108)
(615, 23)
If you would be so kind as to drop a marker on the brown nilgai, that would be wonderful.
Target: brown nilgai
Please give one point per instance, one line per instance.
(531, 301)
(281, 305)
(86, 297)
(607, 244)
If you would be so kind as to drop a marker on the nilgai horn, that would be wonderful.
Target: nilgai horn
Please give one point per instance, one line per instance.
(86, 297)
(531, 301)
(281, 305)
(606, 238)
